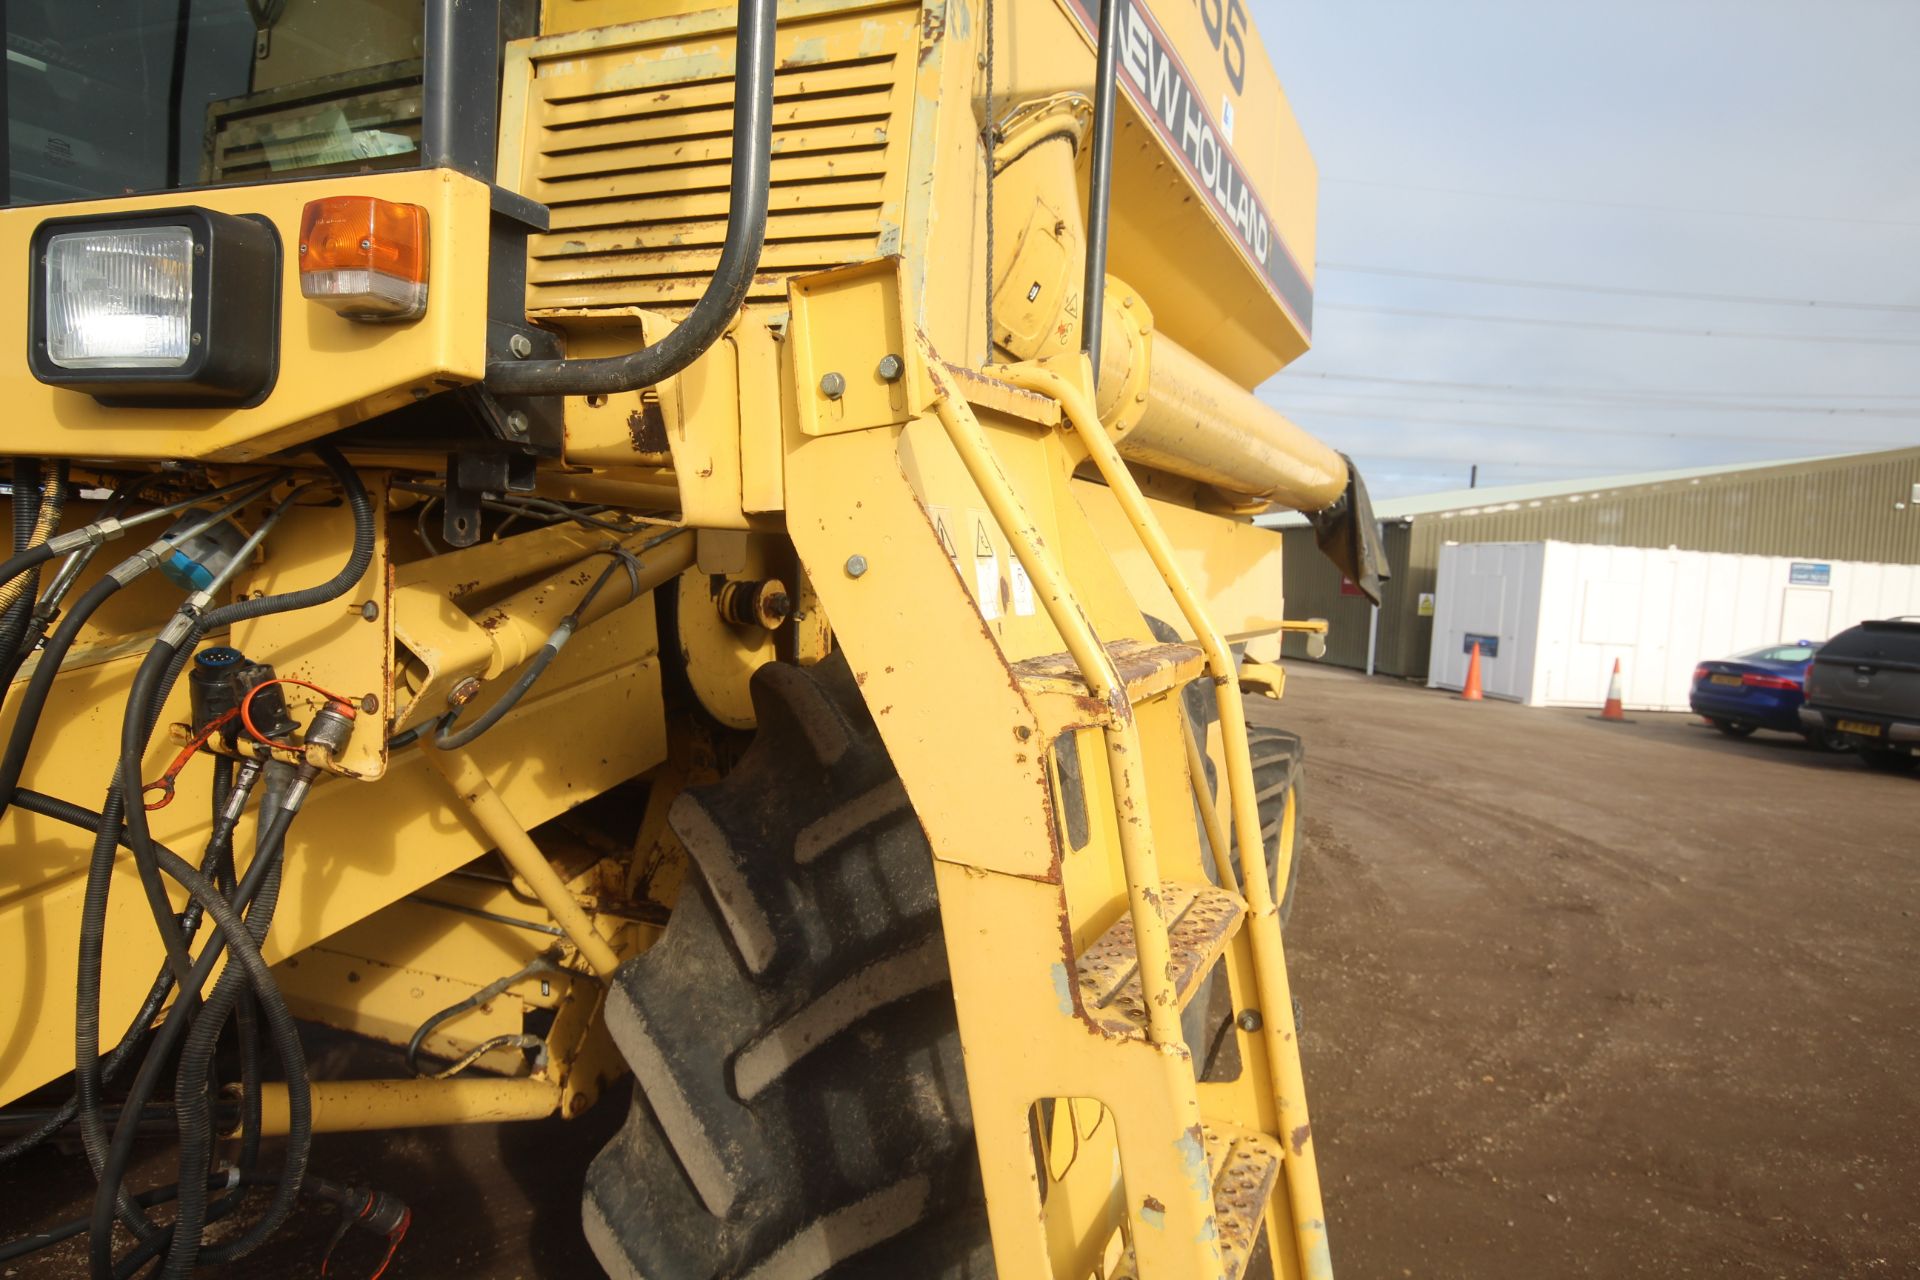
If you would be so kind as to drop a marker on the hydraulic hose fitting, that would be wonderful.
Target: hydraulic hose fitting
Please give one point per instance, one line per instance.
(331, 728)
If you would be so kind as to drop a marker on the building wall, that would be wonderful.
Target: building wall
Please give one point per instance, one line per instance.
(1861, 508)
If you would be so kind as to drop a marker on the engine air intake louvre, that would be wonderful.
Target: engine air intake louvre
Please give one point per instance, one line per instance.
(629, 147)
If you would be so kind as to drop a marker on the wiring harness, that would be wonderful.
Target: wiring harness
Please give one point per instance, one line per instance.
(201, 551)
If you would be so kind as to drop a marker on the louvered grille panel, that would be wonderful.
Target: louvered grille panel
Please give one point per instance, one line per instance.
(629, 143)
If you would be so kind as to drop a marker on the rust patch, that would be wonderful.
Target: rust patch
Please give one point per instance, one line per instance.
(647, 428)
(933, 26)
(1152, 1205)
(1299, 1138)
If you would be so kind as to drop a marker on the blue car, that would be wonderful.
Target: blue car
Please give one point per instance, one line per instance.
(1760, 689)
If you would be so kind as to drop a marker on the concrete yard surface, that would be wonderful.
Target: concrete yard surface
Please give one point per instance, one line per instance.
(1594, 999)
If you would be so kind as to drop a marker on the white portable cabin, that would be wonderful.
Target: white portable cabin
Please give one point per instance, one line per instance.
(1553, 616)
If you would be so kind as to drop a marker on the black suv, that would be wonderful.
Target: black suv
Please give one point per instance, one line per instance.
(1865, 683)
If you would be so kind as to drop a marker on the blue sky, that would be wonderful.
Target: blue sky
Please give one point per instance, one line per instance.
(1758, 149)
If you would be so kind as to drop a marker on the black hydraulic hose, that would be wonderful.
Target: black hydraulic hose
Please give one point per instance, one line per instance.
(34, 701)
(216, 864)
(107, 528)
(236, 938)
(746, 236)
(143, 707)
(14, 1250)
(447, 738)
(18, 612)
(191, 1093)
(1100, 184)
(109, 1164)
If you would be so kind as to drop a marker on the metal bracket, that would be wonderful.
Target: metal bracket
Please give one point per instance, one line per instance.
(470, 476)
(855, 364)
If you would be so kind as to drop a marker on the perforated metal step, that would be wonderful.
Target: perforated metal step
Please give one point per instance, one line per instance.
(1200, 919)
(1245, 1166)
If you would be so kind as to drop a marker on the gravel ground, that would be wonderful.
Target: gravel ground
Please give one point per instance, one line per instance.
(1588, 999)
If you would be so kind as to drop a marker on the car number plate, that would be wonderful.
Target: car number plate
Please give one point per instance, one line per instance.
(1732, 680)
(1860, 727)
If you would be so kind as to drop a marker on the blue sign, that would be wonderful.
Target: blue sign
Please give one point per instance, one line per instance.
(1489, 645)
(1806, 574)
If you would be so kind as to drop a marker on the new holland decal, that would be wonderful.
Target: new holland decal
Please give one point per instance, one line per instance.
(1161, 86)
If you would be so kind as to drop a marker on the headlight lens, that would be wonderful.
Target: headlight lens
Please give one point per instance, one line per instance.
(121, 299)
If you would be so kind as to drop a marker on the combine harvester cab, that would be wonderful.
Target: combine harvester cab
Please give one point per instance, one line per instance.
(713, 543)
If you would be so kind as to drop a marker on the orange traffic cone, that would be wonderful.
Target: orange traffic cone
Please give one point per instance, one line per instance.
(1613, 710)
(1471, 693)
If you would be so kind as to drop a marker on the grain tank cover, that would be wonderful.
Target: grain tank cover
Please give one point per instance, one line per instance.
(1214, 188)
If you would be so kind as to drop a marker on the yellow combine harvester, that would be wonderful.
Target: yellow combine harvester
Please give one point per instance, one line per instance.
(705, 543)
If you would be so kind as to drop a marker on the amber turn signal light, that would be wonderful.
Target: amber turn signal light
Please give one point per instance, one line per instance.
(365, 258)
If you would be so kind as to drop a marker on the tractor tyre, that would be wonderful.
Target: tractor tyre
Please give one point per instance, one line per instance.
(1277, 757)
(800, 1107)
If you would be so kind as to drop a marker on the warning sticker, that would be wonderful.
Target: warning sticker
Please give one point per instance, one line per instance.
(943, 525)
(986, 567)
(1022, 589)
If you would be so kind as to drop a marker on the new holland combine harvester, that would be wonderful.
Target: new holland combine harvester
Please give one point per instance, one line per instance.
(595, 539)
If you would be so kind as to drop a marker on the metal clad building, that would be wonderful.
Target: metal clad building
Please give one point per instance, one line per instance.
(1858, 507)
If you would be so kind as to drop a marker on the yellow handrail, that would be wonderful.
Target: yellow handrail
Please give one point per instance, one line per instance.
(1276, 997)
(1119, 732)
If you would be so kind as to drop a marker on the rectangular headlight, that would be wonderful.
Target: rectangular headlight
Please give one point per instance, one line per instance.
(167, 307)
(120, 299)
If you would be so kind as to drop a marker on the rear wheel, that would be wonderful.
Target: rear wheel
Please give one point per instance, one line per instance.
(1277, 756)
(800, 1107)
(1732, 728)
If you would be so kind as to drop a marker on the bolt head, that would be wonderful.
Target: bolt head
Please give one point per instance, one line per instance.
(1249, 1020)
(856, 565)
(516, 423)
(833, 386)
(462, 693)
(521, 346)
(891, 367)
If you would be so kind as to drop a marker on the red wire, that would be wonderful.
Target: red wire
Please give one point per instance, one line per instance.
(166, 780)
(246, 707)
(394, 1238)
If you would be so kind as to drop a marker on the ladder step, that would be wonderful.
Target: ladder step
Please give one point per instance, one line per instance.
(1148, 670)
(1245, 1165)
(1200, 919)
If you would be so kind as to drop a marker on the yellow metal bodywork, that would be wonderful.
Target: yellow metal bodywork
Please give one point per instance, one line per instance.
(971, 536)
(333, 372)
(597, 717)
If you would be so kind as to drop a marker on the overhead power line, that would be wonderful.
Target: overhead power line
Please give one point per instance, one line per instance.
(1765, 215)
(1656, 392)
(1561, 428)
(1622, 291)
(1596, 402)
(1839, 339)
(1483, 464)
